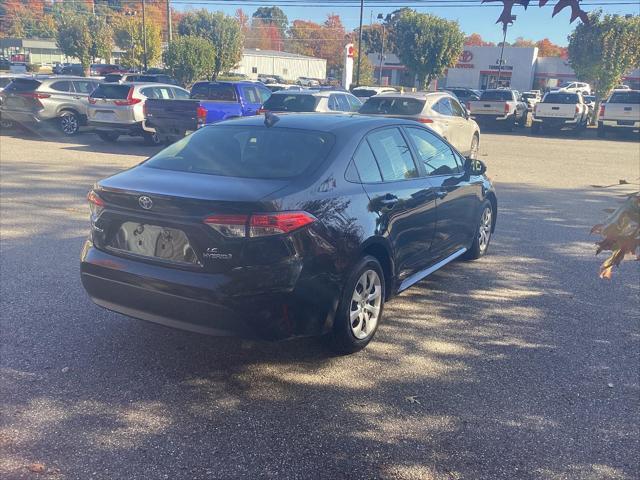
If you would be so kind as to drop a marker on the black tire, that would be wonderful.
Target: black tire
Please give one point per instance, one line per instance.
(535, 128)
(523, 120)
(478, 247)
(510, 123)
(109, 137)
(151, 139)
(69, 122)
(342, 338)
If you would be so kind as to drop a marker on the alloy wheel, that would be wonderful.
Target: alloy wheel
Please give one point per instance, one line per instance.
(69, 123)
(366, 301)
(484, 233)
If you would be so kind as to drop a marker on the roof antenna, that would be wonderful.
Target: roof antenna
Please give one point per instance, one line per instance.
(270, 119)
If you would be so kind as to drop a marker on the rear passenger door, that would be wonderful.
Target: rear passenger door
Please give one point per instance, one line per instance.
(403, 199)
(251, 100)
(62, 96)
(83, 89)
(457, 195)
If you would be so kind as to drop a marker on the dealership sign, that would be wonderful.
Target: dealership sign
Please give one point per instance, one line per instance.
(465, 58)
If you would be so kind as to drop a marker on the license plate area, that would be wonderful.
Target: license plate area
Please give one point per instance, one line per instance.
(625, 122)
(154, 242)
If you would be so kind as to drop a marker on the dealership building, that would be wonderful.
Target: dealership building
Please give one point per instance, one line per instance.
(479, 67)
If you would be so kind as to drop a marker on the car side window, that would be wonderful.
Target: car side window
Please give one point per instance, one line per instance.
(251, 95)
(457, 110)
(443, 107)
(180, 94)
(62, 86)
(264, 94)
(436, 156)
(343, 103)
(83, 86)
(163, 92)
(333, 103)
(200, 91)
(354, 103)
(366, 165)
(149, 92)
(392, 154)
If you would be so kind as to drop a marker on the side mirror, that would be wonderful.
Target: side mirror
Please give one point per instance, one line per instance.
(474, 166)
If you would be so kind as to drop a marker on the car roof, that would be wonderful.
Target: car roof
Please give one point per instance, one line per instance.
(315, 93)
(145, 84)
(337, 123)
(416, 95)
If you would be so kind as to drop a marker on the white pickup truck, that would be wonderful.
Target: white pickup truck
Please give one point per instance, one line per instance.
(499, 107)
(621, 112)
(558, 110)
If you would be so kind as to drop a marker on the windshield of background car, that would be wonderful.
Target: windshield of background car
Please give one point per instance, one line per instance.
(281, 102)
(392, 106)
(625, 97)
(246, 152)
(529, 95)
(22, 85)
(497, 95)
(364, 93)
(111, 91)
(561, 98)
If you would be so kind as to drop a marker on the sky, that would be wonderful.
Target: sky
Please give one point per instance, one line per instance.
(535, 23)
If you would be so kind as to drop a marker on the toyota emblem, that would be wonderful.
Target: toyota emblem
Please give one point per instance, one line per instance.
(466, 56)
(145, 202)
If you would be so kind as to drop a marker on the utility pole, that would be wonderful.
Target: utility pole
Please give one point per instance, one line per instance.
(169, 26)
(144, 34)
(380, 17)
(359, 43)
(504, 39)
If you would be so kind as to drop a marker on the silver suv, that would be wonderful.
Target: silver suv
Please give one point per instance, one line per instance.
(117, 109)
(58, 99)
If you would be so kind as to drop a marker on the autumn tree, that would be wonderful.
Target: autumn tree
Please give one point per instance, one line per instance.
(74, 39)
(605, 49)
(326, 40)
(222, 31)
(427, 44)
(101, 38)
(475, 40)
(189, 59)
(523, 43)
(128, 36)
(264, 36)
(546, 48)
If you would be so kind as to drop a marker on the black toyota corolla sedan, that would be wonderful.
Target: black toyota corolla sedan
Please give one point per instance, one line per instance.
(281, 226)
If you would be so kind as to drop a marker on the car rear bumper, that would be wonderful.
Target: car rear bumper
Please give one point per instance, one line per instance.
(491, 117)
(20, 117)
(556, 122)
(123, 128)
(210, 303)
(615, 124)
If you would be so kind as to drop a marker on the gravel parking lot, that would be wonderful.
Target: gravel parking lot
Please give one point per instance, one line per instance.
(523, 365)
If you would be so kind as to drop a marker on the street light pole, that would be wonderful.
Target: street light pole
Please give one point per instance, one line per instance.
(359, 43)
(144, 34)
(380, 17)
(504, 39)
(169, 26)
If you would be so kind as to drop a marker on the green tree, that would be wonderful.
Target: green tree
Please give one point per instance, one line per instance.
(222, 31)
(189, 59)
(272, 16)
(605, 49)
(101, 38)
(129, 37)
(427, 44)
(74, 38)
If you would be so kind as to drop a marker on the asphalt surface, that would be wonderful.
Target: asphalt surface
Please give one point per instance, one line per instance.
(523, 365)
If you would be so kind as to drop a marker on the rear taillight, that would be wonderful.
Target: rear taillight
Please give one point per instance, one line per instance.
(425, 120)
(577, 109)
(129, 101)
(36, 95)
(96, 204)
(259, 224)
(261, 111)
(201, 116)
(601, 114)
(507, 108)
(144, 109)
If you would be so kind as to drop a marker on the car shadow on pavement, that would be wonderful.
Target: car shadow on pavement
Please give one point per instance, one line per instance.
(486, 370)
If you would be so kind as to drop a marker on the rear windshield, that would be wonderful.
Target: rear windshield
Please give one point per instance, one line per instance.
(499, 95)
(246, 152)
(112, 77)
(291, 103)
(23, 85)
(529, 95)
(4, 82)
(111, 91)
(625, 97)
(147, 78)
(392, 106)
(364, 92)
(561, 98)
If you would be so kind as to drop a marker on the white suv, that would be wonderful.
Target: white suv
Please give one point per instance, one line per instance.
(578, 87)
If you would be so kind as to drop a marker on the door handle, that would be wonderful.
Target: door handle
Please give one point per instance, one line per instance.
(77, 98)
